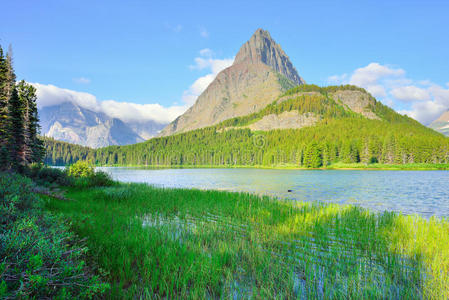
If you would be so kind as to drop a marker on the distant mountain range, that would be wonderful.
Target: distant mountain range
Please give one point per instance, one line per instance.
(72, 123)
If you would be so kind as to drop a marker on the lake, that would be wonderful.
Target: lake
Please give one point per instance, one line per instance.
(410, 192)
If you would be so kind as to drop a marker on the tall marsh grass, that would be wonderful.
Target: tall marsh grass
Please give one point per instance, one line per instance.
(187, 244)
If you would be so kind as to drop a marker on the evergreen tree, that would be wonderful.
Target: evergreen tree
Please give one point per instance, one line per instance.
(16, 131)
(10, 75)
(4, 96)
(312, 156)
(34, 148)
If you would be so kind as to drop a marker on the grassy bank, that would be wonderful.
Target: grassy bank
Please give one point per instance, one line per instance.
(178, 243)
(40, 258)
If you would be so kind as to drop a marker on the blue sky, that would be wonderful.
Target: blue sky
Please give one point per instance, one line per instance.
(144, 51)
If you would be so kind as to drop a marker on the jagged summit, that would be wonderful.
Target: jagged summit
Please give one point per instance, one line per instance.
(262, 48)
(261, 72)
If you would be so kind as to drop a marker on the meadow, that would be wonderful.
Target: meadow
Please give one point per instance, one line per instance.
(152, 242)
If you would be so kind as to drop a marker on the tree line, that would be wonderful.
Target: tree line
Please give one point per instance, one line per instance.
(349, 140)
(340, 136)
(19, 122)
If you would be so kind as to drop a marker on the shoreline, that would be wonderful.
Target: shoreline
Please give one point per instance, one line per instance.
(226, 232)
(337, 166)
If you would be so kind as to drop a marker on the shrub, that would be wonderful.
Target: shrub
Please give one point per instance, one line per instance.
(44, 175)
(15, 197)
(100, 178)
(81, 169)
(80, 174)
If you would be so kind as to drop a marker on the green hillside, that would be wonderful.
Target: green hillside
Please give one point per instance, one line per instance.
(340, 136)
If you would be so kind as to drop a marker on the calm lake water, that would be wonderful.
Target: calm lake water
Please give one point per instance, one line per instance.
(421, 192)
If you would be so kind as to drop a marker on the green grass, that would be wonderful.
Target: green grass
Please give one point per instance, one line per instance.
(180, 243)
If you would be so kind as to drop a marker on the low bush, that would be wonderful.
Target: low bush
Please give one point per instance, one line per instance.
(46, 176)
(101, 178)
(81, 175)
(81, 169)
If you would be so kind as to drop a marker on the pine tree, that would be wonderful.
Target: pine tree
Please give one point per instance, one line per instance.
(33, 148)
(4, 96)
(312, 156)
(16, 131)
(10, 75)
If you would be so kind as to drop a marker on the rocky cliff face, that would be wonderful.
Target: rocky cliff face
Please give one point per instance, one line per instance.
(74, 124)
(260, 73)
(356, 101)
(441, 124)
(262, 48)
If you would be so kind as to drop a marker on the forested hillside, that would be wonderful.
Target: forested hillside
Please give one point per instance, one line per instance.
(340, 135)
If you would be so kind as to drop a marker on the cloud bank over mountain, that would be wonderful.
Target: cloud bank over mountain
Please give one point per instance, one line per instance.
(422, 100)
(50, 95)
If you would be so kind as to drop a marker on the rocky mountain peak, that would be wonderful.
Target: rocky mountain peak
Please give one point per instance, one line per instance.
(262, 48)
(260, 73)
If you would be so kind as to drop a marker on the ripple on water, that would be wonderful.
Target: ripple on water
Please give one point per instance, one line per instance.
(410, 192)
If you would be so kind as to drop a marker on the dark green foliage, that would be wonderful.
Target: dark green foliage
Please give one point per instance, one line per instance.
(16, 131)
(49, 177)
(40, 257)
(61, 153)
(46, 176)
(19, 121)
(3, 110)
(34, 147)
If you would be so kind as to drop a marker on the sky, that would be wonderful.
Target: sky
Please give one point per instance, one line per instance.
(151, 59)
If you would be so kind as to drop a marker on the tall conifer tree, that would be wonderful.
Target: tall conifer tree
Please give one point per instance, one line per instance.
(16, 131)
(33, 148)
(4, 96)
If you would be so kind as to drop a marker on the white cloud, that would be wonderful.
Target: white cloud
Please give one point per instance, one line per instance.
(204, 33)
(369, 77)
(427, 111)
(48, 95)
(410, 93)
(419, 99)
(82, 80)
(370, 74)
(127, 111)
(205, 61)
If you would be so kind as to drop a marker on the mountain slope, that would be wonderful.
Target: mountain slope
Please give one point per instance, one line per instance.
(349, 126)
(260, 73)
(441, 124)
(72, 123)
